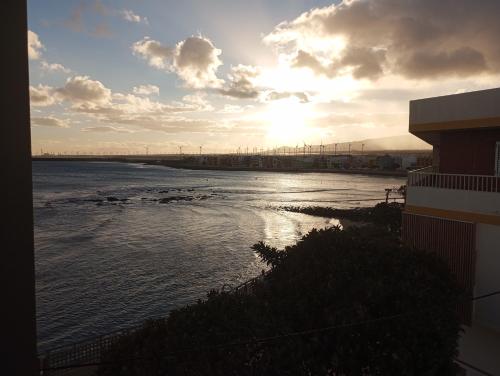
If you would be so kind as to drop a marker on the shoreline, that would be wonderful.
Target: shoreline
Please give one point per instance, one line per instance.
(178, 165)
(290, 170)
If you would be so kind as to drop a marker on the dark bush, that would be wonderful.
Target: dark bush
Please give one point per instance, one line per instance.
(339, 302)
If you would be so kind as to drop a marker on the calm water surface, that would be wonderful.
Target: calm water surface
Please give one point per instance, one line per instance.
(104, 265)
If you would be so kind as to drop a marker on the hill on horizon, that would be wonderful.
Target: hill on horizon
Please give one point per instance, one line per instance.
(405, 142)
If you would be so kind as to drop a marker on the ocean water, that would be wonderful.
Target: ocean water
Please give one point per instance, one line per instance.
(118, 243)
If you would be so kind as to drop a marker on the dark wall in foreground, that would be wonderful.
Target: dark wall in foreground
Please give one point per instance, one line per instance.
(18, 333)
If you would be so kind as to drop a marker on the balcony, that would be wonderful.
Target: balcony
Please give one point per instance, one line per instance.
(471, 198)
(426, 177)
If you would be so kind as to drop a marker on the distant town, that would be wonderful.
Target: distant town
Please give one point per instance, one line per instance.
(383, 156)
(390, 163)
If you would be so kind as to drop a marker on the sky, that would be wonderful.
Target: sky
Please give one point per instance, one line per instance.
(122, 76)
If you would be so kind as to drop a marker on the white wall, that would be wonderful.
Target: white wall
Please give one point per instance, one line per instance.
(466, 106)
(454, 199)
(487, 311)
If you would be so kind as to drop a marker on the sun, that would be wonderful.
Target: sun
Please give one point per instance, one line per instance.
(287, 121)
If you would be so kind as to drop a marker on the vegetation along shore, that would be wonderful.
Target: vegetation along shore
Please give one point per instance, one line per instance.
(340, 301)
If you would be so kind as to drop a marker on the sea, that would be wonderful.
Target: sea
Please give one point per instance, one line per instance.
(119, 243)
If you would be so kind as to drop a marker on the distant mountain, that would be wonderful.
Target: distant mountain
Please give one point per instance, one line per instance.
(403, 142)
(406, 142)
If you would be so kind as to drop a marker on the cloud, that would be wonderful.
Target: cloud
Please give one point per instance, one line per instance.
(83, 90)
(276, 95)
(146, 90)
(154, 52)
(130, 16)
(304, 59)
(106, 128)
(198, 100)
(112, 111)
(35, 46)
(42, 96)
(76, 20)
(195, 60)
(418, 39)
(465, 61)
(241, 84)
(54, 67)
(49, 121)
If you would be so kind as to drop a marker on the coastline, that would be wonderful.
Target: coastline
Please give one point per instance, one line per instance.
(179, 165)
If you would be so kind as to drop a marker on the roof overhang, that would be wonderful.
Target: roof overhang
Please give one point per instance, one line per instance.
(467, 111)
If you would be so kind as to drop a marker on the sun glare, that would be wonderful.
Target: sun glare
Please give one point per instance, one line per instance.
(287, 122)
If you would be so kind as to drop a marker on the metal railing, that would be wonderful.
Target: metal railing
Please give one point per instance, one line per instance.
(427, 177)
(61, 360)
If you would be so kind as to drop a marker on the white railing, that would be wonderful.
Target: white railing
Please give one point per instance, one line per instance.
(426, 177)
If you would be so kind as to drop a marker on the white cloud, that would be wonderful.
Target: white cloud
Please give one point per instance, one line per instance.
(49, 121)
(43, 96)
(198, 100)
(54, 67)
(130, 16)
(106, 128)
(83, 90)
(195, 60)
(154, 52)
(35, 46)
(146, 90)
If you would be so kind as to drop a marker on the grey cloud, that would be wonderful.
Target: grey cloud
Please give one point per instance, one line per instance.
(414, 38)
(276, 95)
(240, 83)
(362, 61)
(366, 62)
(464, 61)
(304, 59)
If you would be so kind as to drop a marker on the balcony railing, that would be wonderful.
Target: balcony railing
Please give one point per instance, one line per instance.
(426, 177)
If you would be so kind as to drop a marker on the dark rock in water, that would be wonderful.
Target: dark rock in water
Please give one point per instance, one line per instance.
(112, 199)
(164, 191)
(94, 200)
(124, 199)
(167, 200)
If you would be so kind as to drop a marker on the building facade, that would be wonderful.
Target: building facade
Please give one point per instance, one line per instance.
(453, 209)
